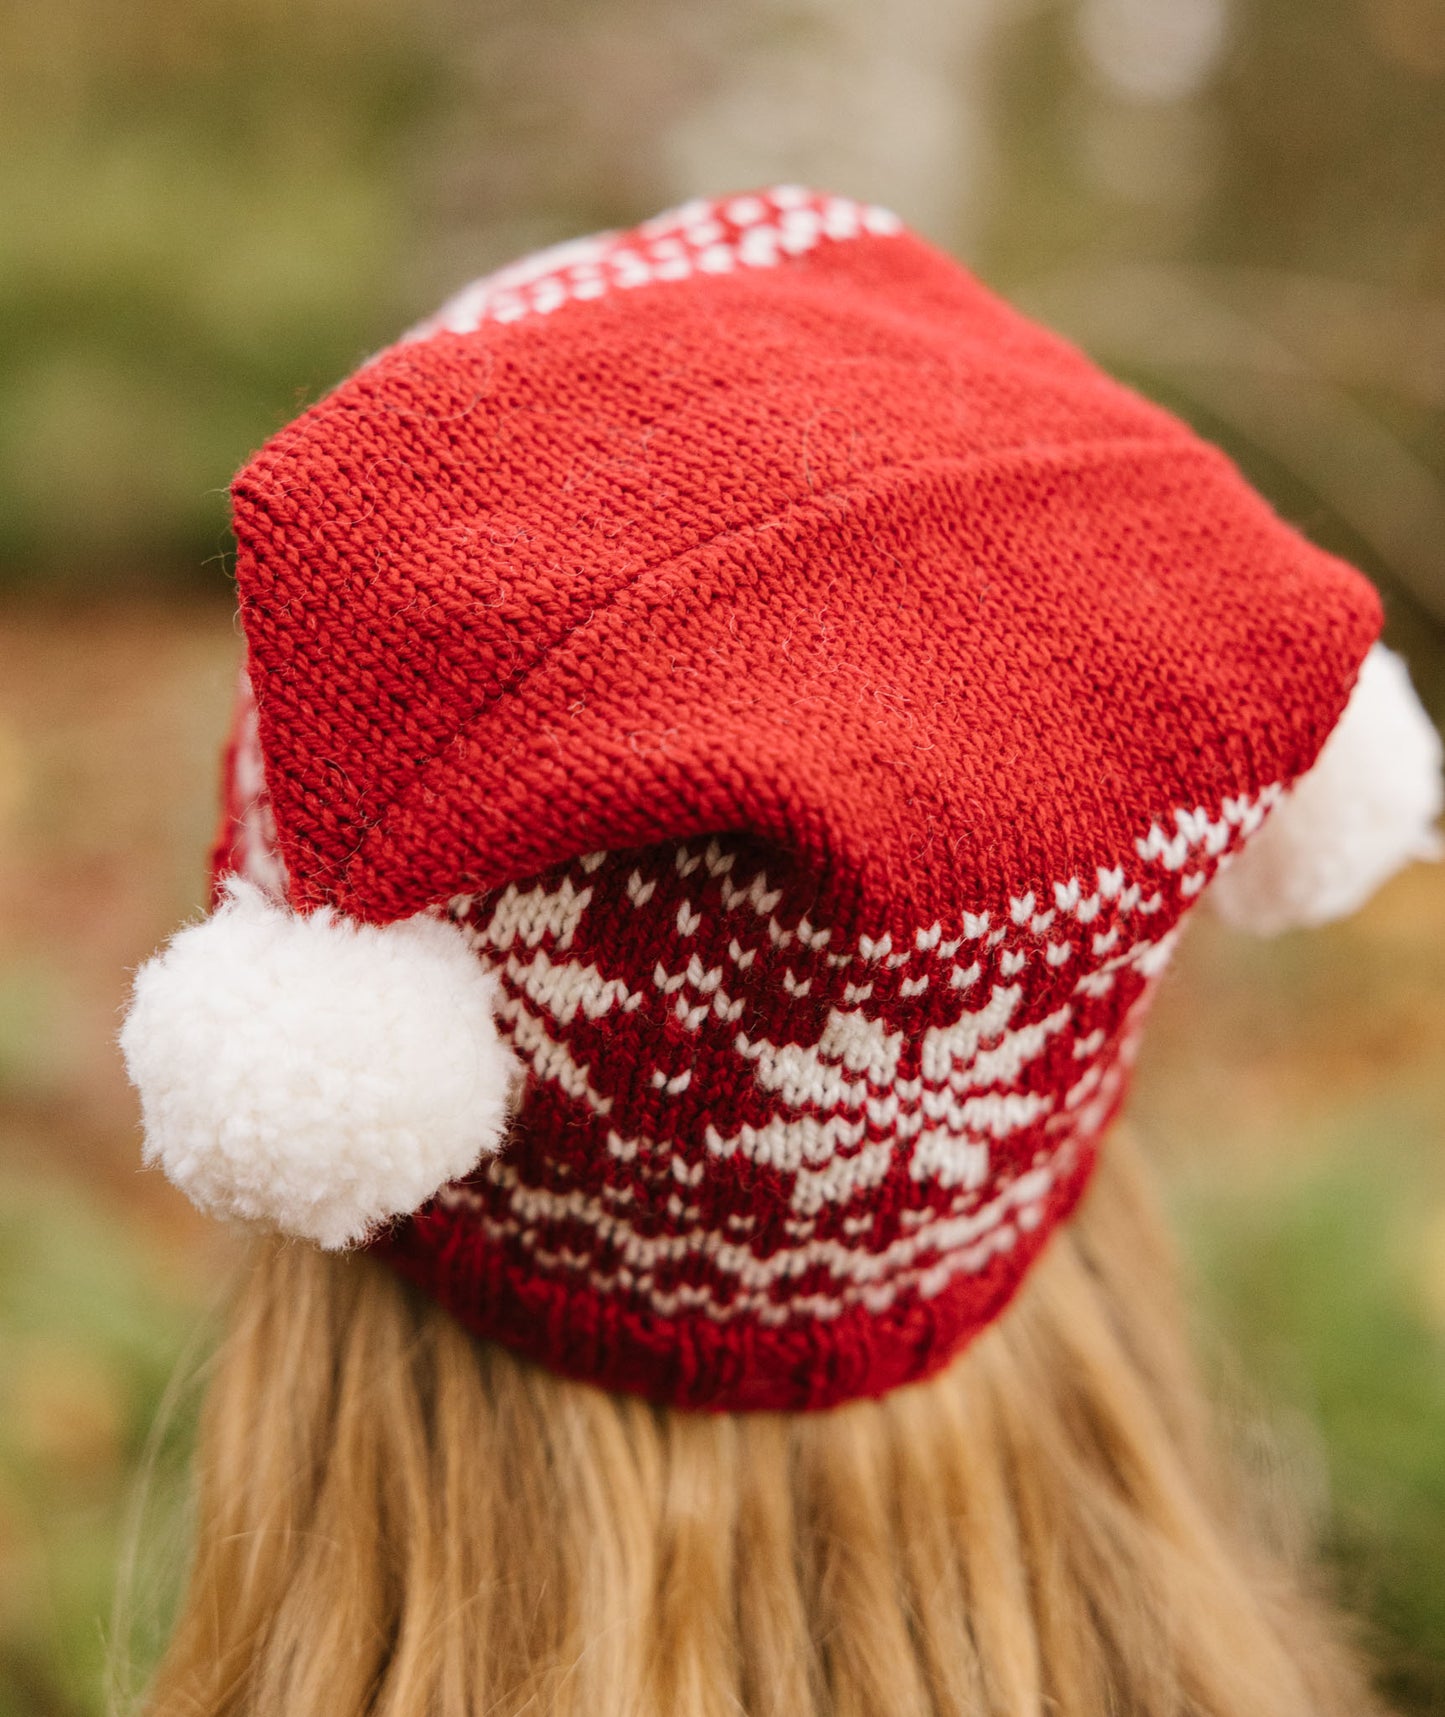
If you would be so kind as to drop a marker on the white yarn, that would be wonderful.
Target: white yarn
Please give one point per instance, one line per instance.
(312, 1073)
(1363, 812)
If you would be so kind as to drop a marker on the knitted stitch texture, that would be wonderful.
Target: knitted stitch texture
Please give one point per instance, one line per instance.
(820, 695)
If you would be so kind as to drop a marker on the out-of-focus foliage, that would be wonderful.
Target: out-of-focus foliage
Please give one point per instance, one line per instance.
(203, 210)
(90, 1334)
(1297, 1092)
(1328, 1277)
(212, 209)
(1234, 205)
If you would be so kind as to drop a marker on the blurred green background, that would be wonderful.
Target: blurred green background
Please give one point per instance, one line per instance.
(210, 210)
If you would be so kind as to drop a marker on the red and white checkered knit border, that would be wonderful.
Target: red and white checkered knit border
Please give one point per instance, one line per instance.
(759, 230)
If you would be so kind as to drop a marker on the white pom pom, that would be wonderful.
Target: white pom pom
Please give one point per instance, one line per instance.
(1363, 812)
(313, 1073)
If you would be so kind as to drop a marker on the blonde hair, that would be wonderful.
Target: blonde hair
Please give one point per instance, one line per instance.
(398, 1522)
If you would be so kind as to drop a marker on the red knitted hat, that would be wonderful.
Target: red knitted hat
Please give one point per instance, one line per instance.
(735, 720)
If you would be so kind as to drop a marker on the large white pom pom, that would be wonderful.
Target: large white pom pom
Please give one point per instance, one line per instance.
(313, 1073)
(1363, 812)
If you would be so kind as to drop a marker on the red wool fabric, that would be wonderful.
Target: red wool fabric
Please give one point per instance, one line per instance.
(820, 695)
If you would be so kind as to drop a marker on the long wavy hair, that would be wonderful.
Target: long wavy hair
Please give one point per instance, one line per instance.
(396, 1521)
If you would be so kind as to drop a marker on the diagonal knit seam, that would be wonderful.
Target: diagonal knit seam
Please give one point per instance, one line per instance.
(1073, 458)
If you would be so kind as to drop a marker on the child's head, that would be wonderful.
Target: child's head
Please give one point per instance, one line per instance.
(396, 1518)
(735, 720)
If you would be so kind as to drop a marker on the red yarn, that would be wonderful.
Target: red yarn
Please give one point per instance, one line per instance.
(891, 666)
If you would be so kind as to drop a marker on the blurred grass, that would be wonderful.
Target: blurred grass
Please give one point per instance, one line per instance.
(91, 1331)
(1294, 1092)
(1328, 1283)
